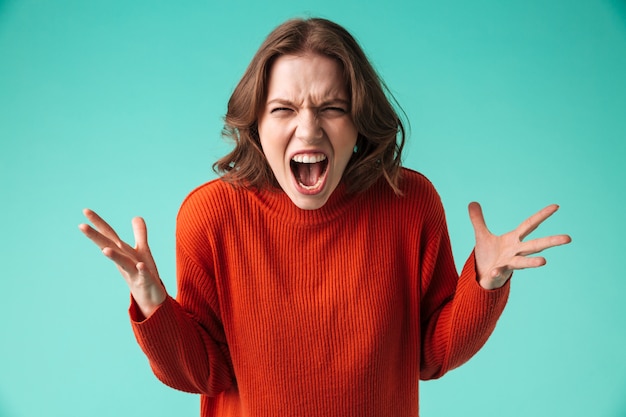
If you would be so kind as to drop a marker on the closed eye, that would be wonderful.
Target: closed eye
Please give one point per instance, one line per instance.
(332, 110)
(280, 109)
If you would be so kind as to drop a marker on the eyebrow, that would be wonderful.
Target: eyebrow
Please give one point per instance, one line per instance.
(322, 104)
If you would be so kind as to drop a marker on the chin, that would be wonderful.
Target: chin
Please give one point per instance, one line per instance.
(308, 202)
(310, 197)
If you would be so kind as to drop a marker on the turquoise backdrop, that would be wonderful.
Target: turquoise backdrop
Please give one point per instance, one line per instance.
(117, 105)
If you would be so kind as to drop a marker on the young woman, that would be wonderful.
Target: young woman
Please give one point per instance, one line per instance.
(315, 277)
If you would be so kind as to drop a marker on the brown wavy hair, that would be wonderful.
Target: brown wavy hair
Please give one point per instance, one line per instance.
(381, 132)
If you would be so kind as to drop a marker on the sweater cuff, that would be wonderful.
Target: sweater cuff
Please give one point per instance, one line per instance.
(152, 332)
(468, 283)
(137, 318)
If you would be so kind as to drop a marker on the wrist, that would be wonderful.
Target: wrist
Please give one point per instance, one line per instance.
(493, 283)
(148, 302)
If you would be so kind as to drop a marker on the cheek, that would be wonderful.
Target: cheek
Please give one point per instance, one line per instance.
(272, 135)
(266, 138)
(273, 148)
(271, 152)
(346, 140)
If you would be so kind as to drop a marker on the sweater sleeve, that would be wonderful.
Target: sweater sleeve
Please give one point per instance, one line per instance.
(184, 338)
(182, 354)
(458, 315)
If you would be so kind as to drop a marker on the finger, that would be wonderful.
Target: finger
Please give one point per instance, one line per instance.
(140, 231)
(519, 262)
(525, 262)
(105, 229)
(123, 261)
(477, 219)
(96, 237)
(516, 263)
(541, 244)
(101, 225)
(531, 223)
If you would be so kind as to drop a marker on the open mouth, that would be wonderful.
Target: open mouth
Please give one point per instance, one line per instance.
(309, 170)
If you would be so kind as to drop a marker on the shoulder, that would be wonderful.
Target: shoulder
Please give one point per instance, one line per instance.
(418, 190)
(210, 202)
(208, 193)
(419, 203)
(413, 182)
(209, 211)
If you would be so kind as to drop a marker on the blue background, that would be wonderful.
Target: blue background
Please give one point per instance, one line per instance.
(117, 106)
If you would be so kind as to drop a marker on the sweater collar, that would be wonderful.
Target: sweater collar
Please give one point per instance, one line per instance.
(276, 203)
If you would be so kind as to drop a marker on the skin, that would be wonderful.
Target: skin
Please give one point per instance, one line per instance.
(307, 112)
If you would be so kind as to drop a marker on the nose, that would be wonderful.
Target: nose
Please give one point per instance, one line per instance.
(308, 129)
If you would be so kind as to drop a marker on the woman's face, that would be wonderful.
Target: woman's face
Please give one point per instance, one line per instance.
(305, 128)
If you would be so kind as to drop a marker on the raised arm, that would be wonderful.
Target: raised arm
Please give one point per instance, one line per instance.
(186, 351)
(461, 315)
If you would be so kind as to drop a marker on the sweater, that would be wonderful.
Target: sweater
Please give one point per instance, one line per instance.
(331, 312)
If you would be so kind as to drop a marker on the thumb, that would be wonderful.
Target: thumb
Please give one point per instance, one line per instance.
(141, 241)
(477, 218)
(141, 233)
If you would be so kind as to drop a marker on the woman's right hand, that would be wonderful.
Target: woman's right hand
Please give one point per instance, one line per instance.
(135, 264)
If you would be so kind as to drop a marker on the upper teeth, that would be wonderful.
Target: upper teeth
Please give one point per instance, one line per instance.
(309, 158)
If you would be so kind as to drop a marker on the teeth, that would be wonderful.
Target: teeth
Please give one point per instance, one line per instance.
(306, 158)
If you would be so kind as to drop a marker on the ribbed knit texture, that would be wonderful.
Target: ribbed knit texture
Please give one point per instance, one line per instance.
(331, 312)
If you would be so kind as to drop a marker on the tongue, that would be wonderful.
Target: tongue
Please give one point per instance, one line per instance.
(309, 174)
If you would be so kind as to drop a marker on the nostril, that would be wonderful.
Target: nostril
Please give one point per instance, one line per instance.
(309, 133)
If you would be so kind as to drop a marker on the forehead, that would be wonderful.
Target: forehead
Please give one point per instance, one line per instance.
(306, 77)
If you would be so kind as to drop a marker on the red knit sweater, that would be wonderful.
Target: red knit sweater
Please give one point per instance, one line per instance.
(332, 312)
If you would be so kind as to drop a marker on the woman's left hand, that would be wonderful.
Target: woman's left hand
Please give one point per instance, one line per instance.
(498, 256)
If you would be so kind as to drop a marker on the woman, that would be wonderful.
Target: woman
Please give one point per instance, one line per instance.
(315, 277)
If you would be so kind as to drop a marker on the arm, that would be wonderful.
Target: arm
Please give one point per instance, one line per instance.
(183, 352)
(460, 315)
